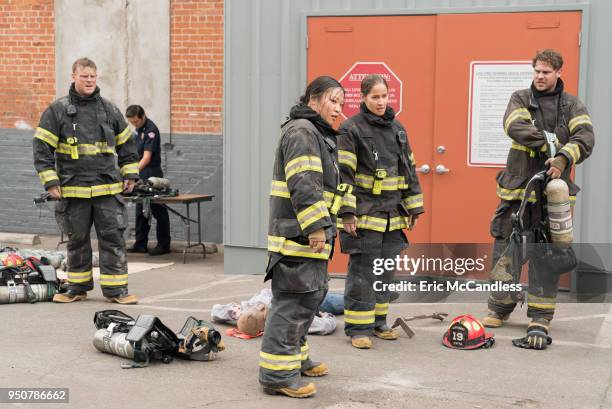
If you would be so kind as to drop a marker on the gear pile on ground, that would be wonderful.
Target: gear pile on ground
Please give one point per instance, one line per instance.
(27, 279)
(146, 338)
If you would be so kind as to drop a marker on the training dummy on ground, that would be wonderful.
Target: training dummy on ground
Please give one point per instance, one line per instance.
(249, 316)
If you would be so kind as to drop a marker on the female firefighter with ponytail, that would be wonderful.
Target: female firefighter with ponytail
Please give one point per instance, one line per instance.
(377, 166)
(303, 197)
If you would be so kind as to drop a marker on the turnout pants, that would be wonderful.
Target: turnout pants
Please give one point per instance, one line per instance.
(143, 226)
(284, 348)
(108, 214)
(364, 307)
(543, 284)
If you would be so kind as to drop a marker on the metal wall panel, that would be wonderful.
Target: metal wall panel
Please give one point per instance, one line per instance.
(265, 73)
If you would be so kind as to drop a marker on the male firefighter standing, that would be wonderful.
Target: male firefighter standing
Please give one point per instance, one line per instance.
(77, 145)
(534, 116)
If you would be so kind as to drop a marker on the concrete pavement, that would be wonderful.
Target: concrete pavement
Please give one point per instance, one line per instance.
(50, 345)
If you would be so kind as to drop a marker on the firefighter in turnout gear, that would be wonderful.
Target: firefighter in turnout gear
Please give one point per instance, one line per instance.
(303, 202)
(377, 165)
(536, 118)
(77, 145)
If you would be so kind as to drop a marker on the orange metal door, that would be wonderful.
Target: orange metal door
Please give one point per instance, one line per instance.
(464, 199)
(432, 55)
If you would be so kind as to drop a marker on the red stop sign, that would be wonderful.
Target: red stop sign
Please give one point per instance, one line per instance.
(351, 81)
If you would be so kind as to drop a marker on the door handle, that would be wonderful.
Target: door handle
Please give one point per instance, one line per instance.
(441, 169)
(424, 169)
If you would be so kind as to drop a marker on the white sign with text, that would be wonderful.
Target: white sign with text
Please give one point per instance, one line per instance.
(491, 85)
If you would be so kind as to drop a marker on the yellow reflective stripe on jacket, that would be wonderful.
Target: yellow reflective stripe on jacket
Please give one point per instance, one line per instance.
(79, 277)
(46, 137)
(519, 147)
(396, 223)
(577, 121)
(304, 349)
(372, 223)
(86, 149)
(347, 158)
(381, 309)
(279, 188)
(280, 362)
(129, 168)
(514, 194)
(286, 247)
(123, 137)
(349, 200)
(414, 201)
(312, 214)
(377, 224)
(573, 150)
(47, 176)
(86, 192)
(389, 183)
(113, 279)
(359, 317)
(519, 113)
(329, 199)
(517, 194)
(303, 164)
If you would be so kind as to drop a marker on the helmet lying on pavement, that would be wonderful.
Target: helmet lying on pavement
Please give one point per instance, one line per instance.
(466, 332)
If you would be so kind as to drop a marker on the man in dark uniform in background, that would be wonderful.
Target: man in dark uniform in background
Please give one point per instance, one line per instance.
(149, 154)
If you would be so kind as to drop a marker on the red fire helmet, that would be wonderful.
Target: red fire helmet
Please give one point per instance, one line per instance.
(466, 332)
(13, 260)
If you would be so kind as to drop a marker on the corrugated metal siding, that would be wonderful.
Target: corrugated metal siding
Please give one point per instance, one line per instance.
(264, 75)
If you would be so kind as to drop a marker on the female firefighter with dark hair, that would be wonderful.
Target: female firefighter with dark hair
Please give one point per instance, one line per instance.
(303, 198)
(377, 164)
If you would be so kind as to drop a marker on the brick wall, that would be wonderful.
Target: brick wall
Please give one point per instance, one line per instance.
(27, 60)
(27, 63)
(196, 66)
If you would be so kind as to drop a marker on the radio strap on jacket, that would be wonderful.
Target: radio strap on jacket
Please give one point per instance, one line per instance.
(72, 141)
(379, 176)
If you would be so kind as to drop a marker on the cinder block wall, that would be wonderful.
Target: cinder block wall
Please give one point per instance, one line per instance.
(193, 149)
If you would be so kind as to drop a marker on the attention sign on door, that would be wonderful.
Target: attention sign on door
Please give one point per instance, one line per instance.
(491, 85)
(351, 81)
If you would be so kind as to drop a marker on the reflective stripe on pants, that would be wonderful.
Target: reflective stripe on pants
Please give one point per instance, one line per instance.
(108, 215)
(366, 309)
(284, 348)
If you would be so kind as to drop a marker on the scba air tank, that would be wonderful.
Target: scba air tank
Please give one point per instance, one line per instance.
(559, 212)
(15, 293)
(113, 343)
